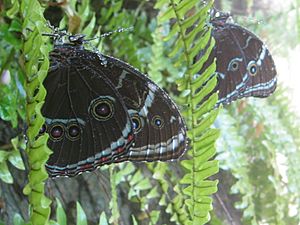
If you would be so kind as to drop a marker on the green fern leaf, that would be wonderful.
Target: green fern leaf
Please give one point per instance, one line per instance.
(194, 39)
(81, 216)
(35, 49)
(60, 214)
(103, 219)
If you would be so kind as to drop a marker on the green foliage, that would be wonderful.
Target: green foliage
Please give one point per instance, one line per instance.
(113, 205)
(34, 49)
(60, 214)
(162, 172)
(164, 47)
(81, 217)
(144, 48)
(14, 9)
(161, 68)
(103, 220)
(140, 188)
(18, 220)
(12, 94)
(193, 200)
(79, 18)
(61, 218)
(140, 191)
(128, 46)
(273, 147)
(13, 156)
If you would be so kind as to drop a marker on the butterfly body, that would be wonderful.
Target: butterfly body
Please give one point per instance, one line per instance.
(100, 110)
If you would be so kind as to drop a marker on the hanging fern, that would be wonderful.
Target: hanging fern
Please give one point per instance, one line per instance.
(192, 35)
(35, 49)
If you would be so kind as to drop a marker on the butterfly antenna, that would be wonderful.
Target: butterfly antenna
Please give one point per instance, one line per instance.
(56, 32)
(119, 30)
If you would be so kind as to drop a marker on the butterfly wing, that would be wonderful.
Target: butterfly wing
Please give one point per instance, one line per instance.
(160, 132)
(86, 118)
(260, 64)
(244, 65)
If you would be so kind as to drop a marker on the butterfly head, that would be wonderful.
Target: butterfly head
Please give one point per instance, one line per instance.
(219, 18)
(64, 38)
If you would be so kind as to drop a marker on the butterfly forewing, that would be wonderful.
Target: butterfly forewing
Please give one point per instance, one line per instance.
(86, 118)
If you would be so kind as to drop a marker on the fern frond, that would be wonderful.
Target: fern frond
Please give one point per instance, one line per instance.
(141, 190)
(166, 178)
(156, 65)
(35, 49)
(193, 37)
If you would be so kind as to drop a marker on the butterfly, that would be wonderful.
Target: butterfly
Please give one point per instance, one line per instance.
(244, 65)
(100, 110)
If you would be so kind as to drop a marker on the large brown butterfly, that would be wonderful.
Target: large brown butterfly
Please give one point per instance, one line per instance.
(100, 110)
(244, 64)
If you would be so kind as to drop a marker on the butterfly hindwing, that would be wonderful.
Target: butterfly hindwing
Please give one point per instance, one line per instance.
(160, 133)
(244, 64)
(263, 82)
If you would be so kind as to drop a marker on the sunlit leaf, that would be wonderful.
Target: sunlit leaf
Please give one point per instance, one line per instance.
(81, 216)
